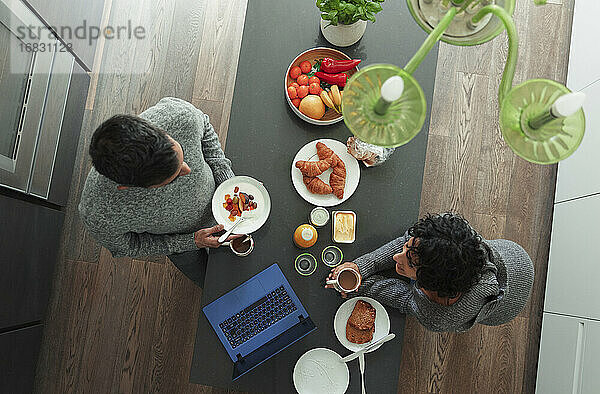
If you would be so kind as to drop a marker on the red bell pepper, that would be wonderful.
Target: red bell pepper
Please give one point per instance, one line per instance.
(333, 79)
(332, 66)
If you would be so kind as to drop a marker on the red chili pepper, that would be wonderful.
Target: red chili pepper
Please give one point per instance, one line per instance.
(332, 66)
(333, 79)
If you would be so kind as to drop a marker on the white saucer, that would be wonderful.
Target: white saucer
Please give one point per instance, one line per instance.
(309, 152)
(321, 371)
(382, 323)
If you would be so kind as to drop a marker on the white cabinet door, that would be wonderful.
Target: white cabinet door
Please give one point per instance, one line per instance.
(574, 263)
(569, 359)
(578, 174)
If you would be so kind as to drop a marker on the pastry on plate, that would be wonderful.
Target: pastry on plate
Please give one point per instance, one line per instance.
(316, 185)
(313, 168)
(361, 323)
(337, 179)
(363, 316)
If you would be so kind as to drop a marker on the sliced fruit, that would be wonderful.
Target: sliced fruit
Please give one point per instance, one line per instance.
(296, 102)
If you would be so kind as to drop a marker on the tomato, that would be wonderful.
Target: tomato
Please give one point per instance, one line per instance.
(294, 84)
(302, 91)
(295, 72)
(296, 102)
(292, 92)
(303, 79)
(305, 66)
(314, 88)
(314, 79)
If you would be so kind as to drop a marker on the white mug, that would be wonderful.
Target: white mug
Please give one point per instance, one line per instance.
(241, 254)
(338, 286)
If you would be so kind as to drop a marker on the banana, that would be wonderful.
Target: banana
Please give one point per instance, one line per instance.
(335, 95)
(327, 100)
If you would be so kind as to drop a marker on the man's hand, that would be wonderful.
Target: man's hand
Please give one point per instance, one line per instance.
(205, 237)
(335, 271)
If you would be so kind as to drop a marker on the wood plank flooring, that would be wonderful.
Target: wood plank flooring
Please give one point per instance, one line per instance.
(124, 325)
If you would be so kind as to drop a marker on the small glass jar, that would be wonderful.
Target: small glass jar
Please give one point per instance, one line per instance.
(319, 217)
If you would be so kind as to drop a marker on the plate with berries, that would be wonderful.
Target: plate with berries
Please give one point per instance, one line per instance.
(241, 195)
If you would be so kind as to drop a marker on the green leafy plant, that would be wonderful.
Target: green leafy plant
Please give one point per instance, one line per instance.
(349, 11)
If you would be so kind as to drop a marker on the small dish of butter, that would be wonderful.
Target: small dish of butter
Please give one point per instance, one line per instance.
(343, 226)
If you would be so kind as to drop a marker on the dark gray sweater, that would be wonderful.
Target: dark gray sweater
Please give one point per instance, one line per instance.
(160, 221)
(497, 298)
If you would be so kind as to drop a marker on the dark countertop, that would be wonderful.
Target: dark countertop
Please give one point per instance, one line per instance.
(264, 136)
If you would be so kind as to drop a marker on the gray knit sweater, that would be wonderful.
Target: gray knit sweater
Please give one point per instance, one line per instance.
(160, 221)
(497, 298)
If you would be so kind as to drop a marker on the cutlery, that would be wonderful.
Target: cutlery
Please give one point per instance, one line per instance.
(361, 363)
(367, 348)
(223, 237)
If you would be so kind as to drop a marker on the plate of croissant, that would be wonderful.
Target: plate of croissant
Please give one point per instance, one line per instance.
(324, 173)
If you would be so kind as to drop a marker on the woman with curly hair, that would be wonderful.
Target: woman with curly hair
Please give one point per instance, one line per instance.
(456, 277)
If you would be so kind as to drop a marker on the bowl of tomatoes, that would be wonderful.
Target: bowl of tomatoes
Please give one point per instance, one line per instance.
(314, 83)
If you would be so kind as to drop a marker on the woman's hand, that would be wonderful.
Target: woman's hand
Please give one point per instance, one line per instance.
(335, 271)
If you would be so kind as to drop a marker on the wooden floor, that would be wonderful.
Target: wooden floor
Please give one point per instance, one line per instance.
(124, 325)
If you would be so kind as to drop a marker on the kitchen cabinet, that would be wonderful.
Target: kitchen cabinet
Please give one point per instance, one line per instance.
(19, 350)
(573, 269)
(28, 251)
(569, 355)
(68, 15)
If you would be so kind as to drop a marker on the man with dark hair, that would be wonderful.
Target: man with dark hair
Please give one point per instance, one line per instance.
(457, 278)
(151, 186)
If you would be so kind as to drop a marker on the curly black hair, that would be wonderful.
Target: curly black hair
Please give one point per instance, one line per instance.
(132, 152)
(448, 254)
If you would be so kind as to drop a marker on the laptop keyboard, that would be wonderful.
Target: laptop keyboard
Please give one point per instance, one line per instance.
(256, 318)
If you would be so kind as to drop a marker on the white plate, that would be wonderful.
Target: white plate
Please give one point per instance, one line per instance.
(382, 323)
(256, 218)
(321, 371)
(309, 152)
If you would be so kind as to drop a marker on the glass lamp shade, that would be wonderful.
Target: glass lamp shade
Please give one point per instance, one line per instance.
(428, 13)
(553, 141)
(402, 121)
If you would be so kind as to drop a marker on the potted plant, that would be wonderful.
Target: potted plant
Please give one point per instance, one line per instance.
(343, 23)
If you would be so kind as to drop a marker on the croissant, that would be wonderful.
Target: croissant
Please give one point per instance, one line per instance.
(316, 186)
(323, 151)
(313, 168)
(337, 181)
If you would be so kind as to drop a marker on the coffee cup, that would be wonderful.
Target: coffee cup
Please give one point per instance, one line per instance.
(346, 281)
(242, 246)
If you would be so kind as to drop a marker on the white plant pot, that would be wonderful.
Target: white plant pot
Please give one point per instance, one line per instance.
(343, 35)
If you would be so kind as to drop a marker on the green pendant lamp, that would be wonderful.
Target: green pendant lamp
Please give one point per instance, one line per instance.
(540, 119)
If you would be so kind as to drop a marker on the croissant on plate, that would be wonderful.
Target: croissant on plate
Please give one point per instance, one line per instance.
(337, 180)
(324, 152)
(316, 185)
(313, 168)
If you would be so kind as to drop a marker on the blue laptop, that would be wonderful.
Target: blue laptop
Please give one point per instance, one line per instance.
(258, 319)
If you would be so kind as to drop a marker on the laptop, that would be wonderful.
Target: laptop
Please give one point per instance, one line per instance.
(258, 319)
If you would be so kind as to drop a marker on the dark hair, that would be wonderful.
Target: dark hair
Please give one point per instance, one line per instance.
(449, 254)
(133, 152)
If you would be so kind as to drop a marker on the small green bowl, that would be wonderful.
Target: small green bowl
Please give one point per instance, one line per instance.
(334, 251)
(305, 264)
